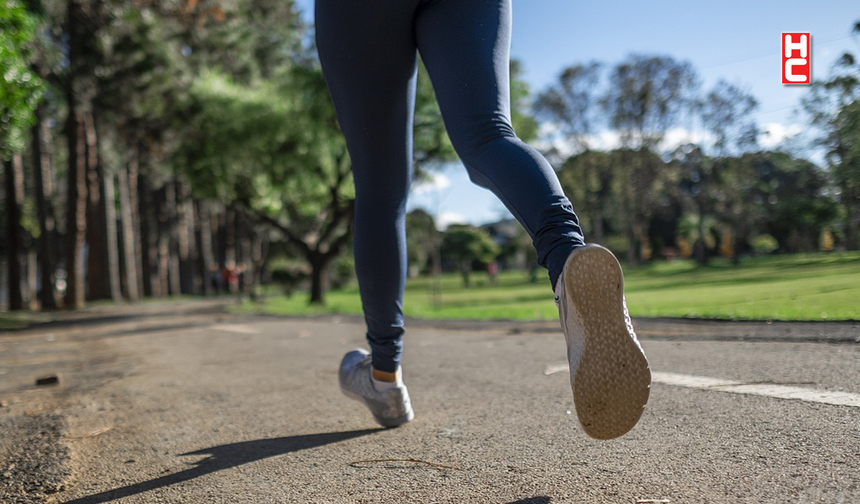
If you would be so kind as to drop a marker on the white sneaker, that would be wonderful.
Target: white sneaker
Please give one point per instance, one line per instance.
(390, 407)
(609, 373)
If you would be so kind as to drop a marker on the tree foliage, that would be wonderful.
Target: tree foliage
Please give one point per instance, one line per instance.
(275, 149)
(20, 88)
(465, 244)
(832, 106)
(178, 144)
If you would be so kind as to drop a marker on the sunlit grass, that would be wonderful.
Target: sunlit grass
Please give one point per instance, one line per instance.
(795, 287)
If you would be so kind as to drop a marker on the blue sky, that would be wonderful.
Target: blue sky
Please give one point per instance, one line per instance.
(738, 41)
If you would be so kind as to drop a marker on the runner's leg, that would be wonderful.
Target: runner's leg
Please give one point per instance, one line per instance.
(368, 55)
(466, 49)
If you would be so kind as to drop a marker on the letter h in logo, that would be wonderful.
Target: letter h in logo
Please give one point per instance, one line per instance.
(796, 58)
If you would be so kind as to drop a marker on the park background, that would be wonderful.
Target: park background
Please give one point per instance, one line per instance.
(160, 148)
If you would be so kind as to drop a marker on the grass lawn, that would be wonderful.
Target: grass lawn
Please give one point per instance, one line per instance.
(791, 287)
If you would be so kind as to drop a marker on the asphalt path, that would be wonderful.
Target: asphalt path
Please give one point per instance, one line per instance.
(182, 403)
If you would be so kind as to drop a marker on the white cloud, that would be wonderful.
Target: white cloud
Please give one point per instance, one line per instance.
(437, 182)
(445, 219)
(551, 138)
(605, 140)
(548, 129)
(676, 137)
(775, 133)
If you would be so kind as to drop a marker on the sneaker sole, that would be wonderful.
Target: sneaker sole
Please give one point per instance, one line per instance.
(385, 422)
(612, 383)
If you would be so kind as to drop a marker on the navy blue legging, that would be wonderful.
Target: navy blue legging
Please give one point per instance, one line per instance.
(368, 50)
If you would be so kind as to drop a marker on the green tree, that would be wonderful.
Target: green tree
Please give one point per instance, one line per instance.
(422, 240)
(431, 145)
(739, 202)
(522, 251)
(569, 104)
(20, 90)
(247, 40)
(697, 187)
(524, 123)
(725, 113)
(586, 177)
(646, 95)
(845, 168)
(276, 151)
(466, 244)
(46, 61)
(797, 206)
(832, 107)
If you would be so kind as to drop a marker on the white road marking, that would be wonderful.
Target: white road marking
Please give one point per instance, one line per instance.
(682, 380)
(236, 328)
(761, 389)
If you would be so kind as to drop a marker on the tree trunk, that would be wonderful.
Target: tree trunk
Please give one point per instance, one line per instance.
(227, 242)
(173, 259)
(203, 238)
(632, 245)
(168, 248)
(79, 89)
(43, 168)
(628, 209)
(98, 284)
(260, 254)
(129, 271)
(465, 271)
(102, 264)
(244, 238)
(742, 233)
(221, 236)
(32, 280)
(319, 276)
(436, 286)
(701, 251)
(14, 199)
(112, 238)
(185, 240)
(76, 217)
(134, 208)
(597, 225)
(149, 248)
(162, 238)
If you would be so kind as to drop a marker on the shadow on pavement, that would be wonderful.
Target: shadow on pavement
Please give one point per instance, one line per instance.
(533, 500)
(228, 456)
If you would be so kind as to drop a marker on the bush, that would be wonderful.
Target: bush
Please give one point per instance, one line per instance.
(764, 244)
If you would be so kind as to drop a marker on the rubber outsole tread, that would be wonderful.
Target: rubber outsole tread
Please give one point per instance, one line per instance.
(612, 382)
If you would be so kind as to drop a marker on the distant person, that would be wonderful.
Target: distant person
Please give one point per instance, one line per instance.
(215, 277)
(230, 277)
(492, 272)
(369, 52)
